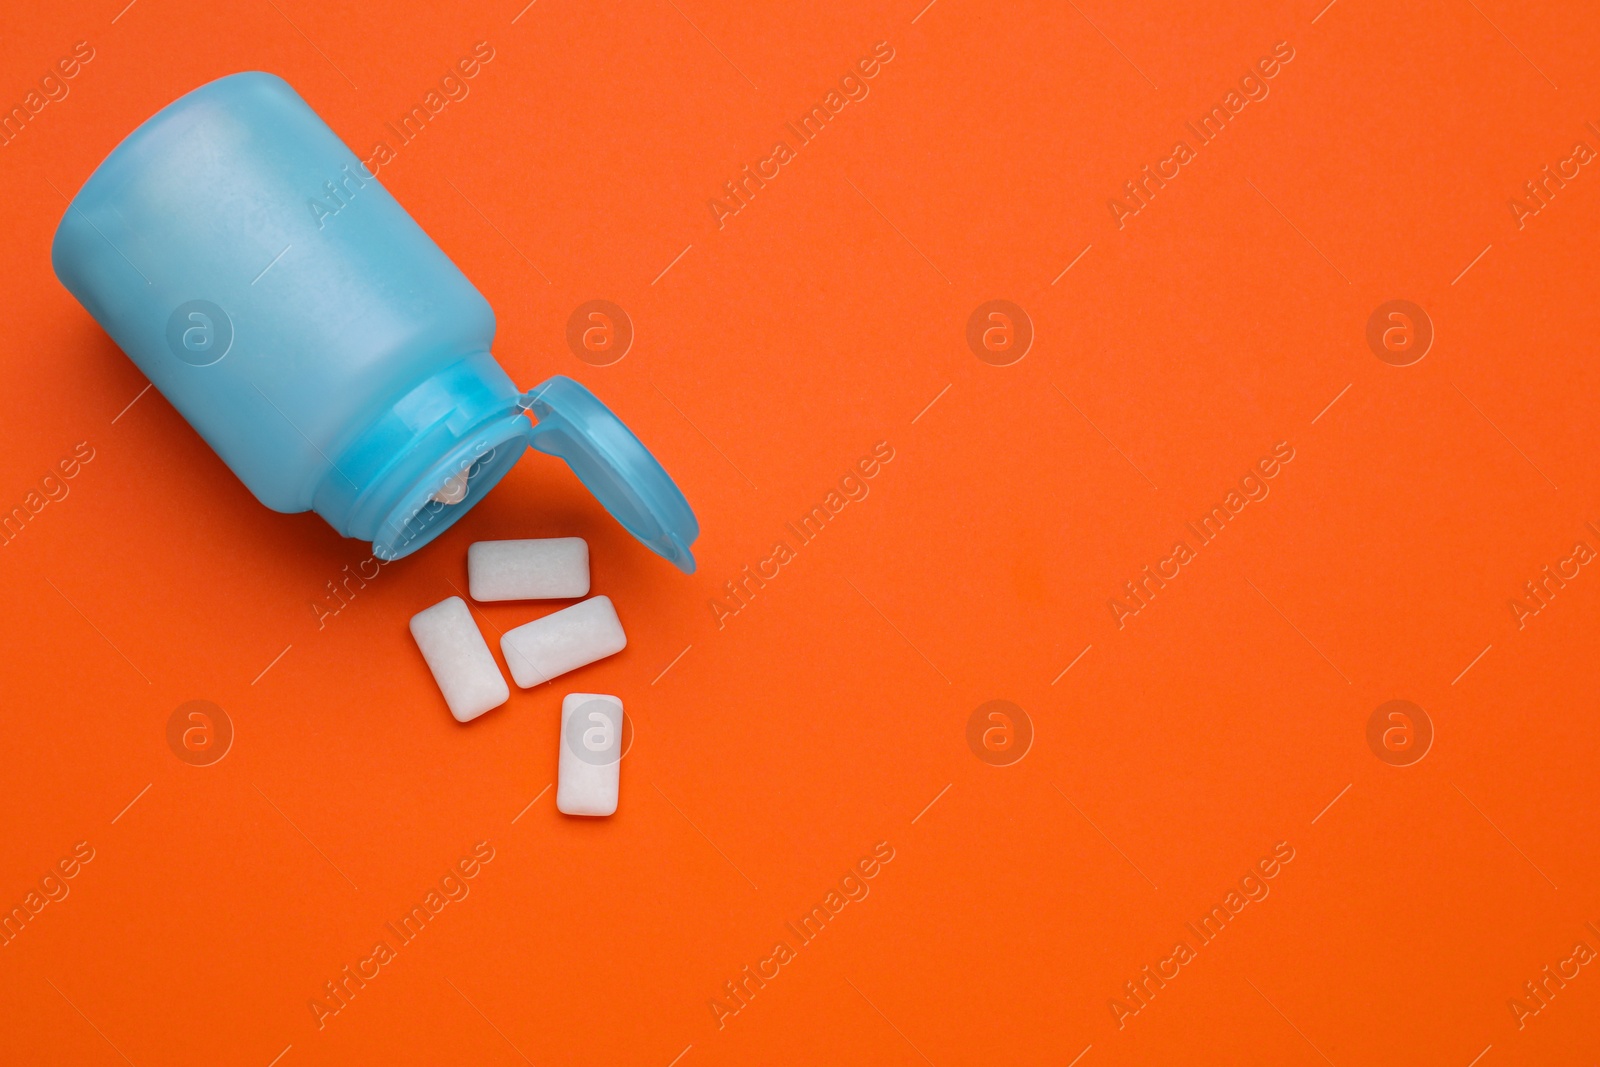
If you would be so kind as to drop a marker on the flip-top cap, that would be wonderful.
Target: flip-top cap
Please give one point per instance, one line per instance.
(612, 463)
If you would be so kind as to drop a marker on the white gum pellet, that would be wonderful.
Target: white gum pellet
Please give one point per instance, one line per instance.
(543, 568)
(591, 754)
(460, 661)
(563, 641)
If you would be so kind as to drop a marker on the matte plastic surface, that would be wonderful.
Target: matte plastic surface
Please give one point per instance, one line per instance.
(267, 283)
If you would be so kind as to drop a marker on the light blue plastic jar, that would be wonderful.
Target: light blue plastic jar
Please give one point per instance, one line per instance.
(316, 337)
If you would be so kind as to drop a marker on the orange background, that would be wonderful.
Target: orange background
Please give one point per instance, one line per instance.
(827, 715)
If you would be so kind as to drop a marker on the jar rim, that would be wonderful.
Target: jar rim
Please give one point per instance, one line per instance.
(484, 457)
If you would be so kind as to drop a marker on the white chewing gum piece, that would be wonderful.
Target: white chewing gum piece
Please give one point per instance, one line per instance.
(563, 641)
(541, 568)
(591, 754)
(460, 661)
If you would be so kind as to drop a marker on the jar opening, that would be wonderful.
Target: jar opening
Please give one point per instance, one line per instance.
(450, 488)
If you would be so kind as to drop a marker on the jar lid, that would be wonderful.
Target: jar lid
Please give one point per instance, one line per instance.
(614, 465)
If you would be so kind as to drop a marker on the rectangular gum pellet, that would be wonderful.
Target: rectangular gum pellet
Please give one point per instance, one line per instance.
(591, 754)
(460, 661)
(563, 641)
(541, 568)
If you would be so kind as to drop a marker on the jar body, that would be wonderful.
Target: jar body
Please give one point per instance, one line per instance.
(280, 297)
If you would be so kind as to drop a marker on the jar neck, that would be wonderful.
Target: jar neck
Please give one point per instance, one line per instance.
(391, 484)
